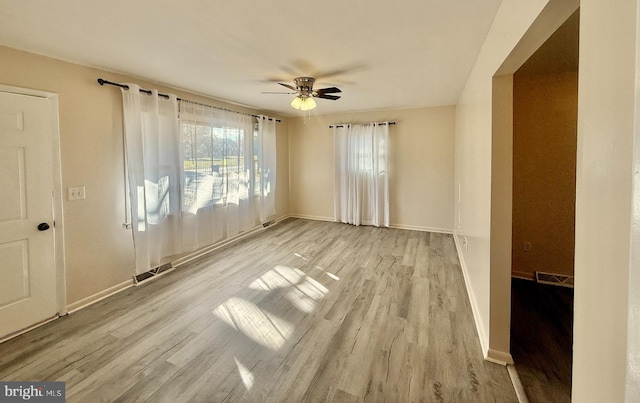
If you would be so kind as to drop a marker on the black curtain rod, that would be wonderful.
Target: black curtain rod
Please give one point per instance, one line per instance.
(126, 87)
(381, 124)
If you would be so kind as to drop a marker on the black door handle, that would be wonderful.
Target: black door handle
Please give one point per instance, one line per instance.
(43, 226)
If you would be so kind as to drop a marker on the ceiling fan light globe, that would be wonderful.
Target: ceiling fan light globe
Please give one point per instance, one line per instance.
(307, 104)
(297, 102)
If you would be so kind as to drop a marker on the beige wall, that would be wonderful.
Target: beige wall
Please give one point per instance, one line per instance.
(633, 348)
(545, 118)
(605, 170)
(99, 251)
(421, 173)
(604, 306)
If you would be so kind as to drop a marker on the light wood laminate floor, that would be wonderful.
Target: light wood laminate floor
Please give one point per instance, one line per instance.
(304, 311)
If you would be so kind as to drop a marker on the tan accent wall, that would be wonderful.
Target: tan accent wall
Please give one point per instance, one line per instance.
(421, 160)
(99, 250)
(545, 118)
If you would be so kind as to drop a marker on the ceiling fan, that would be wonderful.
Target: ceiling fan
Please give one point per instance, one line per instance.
(305, 93)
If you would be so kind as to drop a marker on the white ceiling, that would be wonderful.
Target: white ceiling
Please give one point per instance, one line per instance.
(382, 54)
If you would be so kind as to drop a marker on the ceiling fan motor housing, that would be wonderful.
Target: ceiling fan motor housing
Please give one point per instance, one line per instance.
(304, 85)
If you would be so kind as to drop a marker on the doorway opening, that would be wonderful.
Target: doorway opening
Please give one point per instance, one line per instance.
(545, 116)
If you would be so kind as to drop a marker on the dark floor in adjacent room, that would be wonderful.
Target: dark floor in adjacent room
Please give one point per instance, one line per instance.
(542, 338)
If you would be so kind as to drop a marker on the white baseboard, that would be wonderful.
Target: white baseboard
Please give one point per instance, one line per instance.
(499, 357)
(422, 229)
(312, 217)
(92, 299)
(28, 329)
(517, 384)
(124, 285)
(280, 219)
(396, 226)
(484, 343)
(494, 356)
(204, 250)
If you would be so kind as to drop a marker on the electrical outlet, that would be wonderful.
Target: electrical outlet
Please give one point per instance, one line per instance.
(527, 246)
(76, 193)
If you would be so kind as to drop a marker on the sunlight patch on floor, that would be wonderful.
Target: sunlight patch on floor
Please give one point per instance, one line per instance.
(304, 290)
(300, 256)
(260, 326)
(331, 275)
(246, 375)
(305, 294)
(300, 300)
(312, 288)
(278, 277)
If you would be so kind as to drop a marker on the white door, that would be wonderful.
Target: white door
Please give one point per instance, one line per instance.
(27, 269)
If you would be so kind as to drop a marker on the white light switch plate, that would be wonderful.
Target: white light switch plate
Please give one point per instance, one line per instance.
(76, 193)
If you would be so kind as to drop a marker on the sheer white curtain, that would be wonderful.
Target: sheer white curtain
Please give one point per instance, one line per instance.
(152, 144)
(266, 158)
(219, 174)
(196, 174)
(361, 193)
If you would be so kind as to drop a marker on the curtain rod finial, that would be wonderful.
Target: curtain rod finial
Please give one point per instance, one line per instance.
(100, 81)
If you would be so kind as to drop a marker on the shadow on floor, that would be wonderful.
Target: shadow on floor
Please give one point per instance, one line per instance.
(542, 338)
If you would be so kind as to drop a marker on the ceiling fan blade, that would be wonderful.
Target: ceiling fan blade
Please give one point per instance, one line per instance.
(326, 96)
(329, 90)
(288, 86)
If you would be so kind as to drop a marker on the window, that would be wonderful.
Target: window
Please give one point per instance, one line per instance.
(214, 166)
(361, 189)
